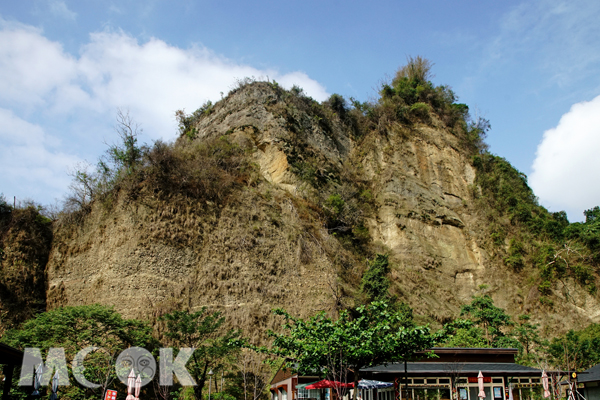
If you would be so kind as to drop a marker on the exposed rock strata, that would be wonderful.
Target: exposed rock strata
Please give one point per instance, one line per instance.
(260, 252)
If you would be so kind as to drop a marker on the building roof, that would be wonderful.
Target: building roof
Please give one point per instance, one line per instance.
(10, 355)
(589, 375)
(450, 367)
(472, 350)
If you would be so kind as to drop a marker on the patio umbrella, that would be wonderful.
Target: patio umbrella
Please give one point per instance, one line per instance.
(54, 396)
(37, 380)
(326, 384)
(545, 384)
(138, 387)
(480, 382)
(130, 385)
(369, 384)
(510, 396)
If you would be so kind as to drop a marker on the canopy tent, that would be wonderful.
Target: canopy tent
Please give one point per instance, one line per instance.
(326, 384)
(369, 384)
(304, 385)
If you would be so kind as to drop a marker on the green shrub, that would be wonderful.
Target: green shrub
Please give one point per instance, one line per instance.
(375, 283)
(338, 104)
(334, 206)
(5, 208)
(498, 236)
(420, 110)
(545, 288)
(516, 251)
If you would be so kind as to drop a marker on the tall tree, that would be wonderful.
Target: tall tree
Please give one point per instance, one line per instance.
(491, 318)
(372, 335)
(576, 350)
(202, 331)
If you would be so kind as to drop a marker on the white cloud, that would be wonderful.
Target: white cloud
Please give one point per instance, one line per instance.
(154, 79)
(50, 90)
(59, 8)
(30, 161)
(565, 171)
(31, 66)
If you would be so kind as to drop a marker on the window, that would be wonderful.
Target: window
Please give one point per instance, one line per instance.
(498, 393)
(419, 381)
(420, 394)
(496, 380)
(308, 394)
(444, 380)
(431, 381)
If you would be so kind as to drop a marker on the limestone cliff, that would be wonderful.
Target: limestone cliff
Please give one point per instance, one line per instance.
(268, 243)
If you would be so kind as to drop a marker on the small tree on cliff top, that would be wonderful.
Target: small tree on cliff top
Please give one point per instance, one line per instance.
(374, 335)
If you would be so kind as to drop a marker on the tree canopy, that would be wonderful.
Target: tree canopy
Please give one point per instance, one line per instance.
(202, 331)
(576, 350)
(78, 327)
(489, 317)
(373, 334)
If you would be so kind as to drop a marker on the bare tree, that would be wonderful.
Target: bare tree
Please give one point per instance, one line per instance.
(163, 391)
(255, 374)
(337, 371)
(454, 370)
(83, 187)
(126, 155)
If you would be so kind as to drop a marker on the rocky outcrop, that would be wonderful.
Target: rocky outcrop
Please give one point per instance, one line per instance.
(269, 248)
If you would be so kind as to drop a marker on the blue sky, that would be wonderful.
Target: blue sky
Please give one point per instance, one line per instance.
(531, 67)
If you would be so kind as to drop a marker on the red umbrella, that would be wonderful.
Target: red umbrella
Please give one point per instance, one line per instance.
(130, 385)
(480, 382)
(325, 384)
(545, 384)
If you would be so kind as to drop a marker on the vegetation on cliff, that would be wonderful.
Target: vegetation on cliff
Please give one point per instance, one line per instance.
(530, 238)
(25, 241)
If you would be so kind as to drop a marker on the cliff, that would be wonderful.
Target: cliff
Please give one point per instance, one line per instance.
(281, 203)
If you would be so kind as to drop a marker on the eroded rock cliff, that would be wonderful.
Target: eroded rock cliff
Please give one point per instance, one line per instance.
(268, 243)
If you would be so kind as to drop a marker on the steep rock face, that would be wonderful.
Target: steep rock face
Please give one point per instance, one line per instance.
(428, 218)
(254, 117)
(268, 246)
(263, 248)
(423, 187)
(250, 257)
